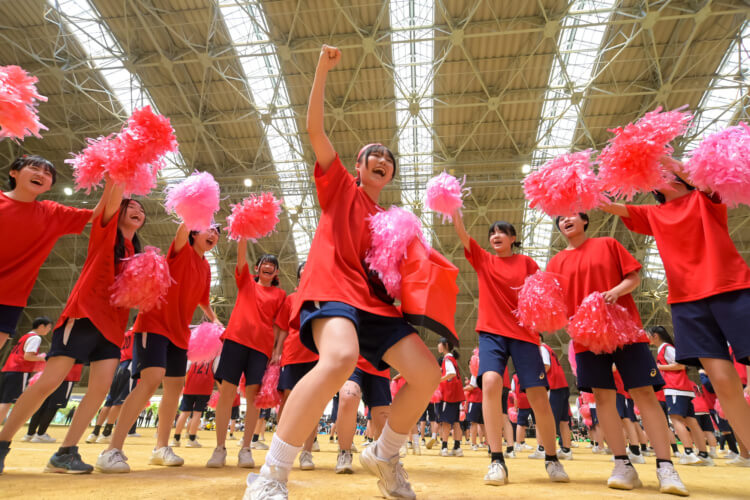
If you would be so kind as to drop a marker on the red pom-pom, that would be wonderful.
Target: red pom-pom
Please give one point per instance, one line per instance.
(513, 414)
(721, 163)
(255, 217)
(437, 396)
(90, 164)
(268, 394)
(572, 358)
(18, 96)
(564, 185)
(474, 364)
(195, 200)
(585, 411)
(588, 422)
(630, 163)
(214, 399)
(205, 342)
(444, 194)
(601, 327)
(541, 303)
(143, 282)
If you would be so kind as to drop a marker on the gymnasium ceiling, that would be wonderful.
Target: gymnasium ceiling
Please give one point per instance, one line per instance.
(483, 88)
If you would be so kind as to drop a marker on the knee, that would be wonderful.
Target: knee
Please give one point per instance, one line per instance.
(341, 363)
(492, 381)
(349, 394)
(429, 378)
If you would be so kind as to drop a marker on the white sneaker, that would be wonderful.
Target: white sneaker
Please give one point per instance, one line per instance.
(165, 456)
(636, 459)
(306, 461)
(26, 438)
(669, 480)
(474, 447)
(561, 455)
(44, 438)
(193, 443)
(712, 453)
(133, 435)
(354, 448)
(624, 477)
(739, 461)
(523, 447)
(538, 454)
(257, 445)
(403, 451)
(706, 462)
(112, 462)
(676, 454)
(574, 444)
(315, 446)
(556, 471)
(91, 439)
(174, 443)
(392, 478)
(497, 475)
(730, 455)
(458, 452)
(218, 458)
(416, 447)
(445, 452)
(245, 458)
(509, 454)
(104, 439)
(344, 462)
(260, 487)
(689, 459)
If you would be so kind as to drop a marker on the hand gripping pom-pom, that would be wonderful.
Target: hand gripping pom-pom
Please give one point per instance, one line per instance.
(214, 399)
(721, 163)
(601, 327)
(205, 342)
(630, 163)
(392, 231)
(444, 194)
(18, 101)
(255, 217)
(195, 200)
(541, 303)
(474, 365)
(564, 185)
(143, 282)
(268, 394)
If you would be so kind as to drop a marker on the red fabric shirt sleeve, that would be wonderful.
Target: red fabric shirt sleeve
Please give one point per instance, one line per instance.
(475, 254)
(282, 317)
(637, 219)
(330, 183)
(625, 260)
(69, 219)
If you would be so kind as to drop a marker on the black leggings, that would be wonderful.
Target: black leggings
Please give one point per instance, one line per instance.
(40, 420)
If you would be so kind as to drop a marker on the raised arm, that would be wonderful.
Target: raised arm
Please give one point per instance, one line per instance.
(181, 238)
(458, 224)
(324, 152)
(112, 205)
(103, 199)
(241, 253)
(619, 209)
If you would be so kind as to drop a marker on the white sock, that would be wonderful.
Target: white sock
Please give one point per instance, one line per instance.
(389, 443)
(434, 435)
(280, 455)
(415, 438)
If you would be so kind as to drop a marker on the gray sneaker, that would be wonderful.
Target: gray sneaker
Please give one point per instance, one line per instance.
(266, 486)
(669, 480)
(218, 458)
(624, 477)
(306, 461)
(165, 456)
(392, 478)
(497, 474)
(245, 458)
(344, 462)
(112, 462)
(556, 471)
(68, 463)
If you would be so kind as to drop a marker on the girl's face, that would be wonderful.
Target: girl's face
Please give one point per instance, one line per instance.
(204, 241)
(133, 217)
(267, 272)
(441, 348)
(571, 226)
(378, 171)
(33, 178)
(501, 242)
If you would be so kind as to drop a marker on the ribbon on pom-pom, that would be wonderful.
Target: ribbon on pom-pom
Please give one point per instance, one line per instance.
(195, 200)
(541, 303)
(143, 282)
(18, 101)
(444, 194)
(255, 217)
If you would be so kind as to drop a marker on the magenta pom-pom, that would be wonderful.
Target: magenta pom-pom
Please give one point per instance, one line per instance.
(630, 163)
(565, 185)
(474, 364)
(513, 414)
(444, 194)
(601, 327)
(195, 200)
(541, 303)
(255, 217)
(213, 401)
(268, 394)
(144, 281)
(205, 342)
(392, 231)
(721, 163)
(18, 101)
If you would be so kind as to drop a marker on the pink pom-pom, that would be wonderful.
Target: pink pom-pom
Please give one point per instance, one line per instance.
(214, 399)
(721, 163)
(255, 217)
(474, 364)
(195, 200)
(444, 194)
(90, 164)
(268, 394)
(630, 163)
(34, 379)
(18, 96)
(205, 342)
(437, 396)
(565, 185)
(601, 327)
(392, 231)
(588, 422)
(541, 303)
(572, 358)
(143, 282)
(585, 411)
(513, 414)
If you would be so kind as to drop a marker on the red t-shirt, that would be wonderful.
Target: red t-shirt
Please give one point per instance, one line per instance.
(598, 265)
(199, 379)
(254, 314)
(692, 235)
(367, 367)
(192, 284)
(31, 230)
(237, 400)
(334, 270)
(126, 351)
(500, 278)
(90, 295)
(293, 351)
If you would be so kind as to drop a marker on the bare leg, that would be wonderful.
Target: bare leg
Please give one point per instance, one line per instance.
(150, 378)
(100, 377)
(609, 420)
(545, 421)
(167, 409)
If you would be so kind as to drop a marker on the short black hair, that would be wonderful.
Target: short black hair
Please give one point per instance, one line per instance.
(191, 234)
(25, 161)
(299, 270)
(504, 227)
(267, 257)
(40, 321)
(449, 344)
(662, 333)
(583, 215)
(661, 199)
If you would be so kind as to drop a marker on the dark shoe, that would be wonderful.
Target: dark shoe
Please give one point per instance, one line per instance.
(68, 463)
(3, 453)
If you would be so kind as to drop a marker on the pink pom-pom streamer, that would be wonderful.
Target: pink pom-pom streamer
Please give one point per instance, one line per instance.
(630, 163)
(205, 342)
(474, 364)
(34, 379)
(444, 194)
(214, 399)
(565, 185)
(195, 200)
(90, 165)
(268, 394)
(541, 303)
(143, 282)
(721, 163)
(255, 217)
(513, 414)
(585, 411)
(601, 327)
(437, 396)
(392, 231)
(18, 101)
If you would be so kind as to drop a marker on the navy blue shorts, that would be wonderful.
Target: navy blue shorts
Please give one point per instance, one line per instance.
(702, 328)
(429, 414)
(235, 415)
(121, 386)
(12, 386)
(334, 409)
(293, 373)
(594, 417)
(449, 412)
(474, 415)
(504, 404)
(236, 359)
(85, 344)
(634, 362)
(721, 423)
(495, 350)
(265, 413)
(194, 402)
(9, 316)
(681, 406)
(376, 390)
(625, 408)
(558, 401)
(704, 420)
(376, 333)
(159, 352)
(523, 416)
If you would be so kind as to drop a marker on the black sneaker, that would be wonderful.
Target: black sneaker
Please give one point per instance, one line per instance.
(68, 463)
(3, 453)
